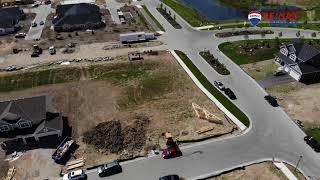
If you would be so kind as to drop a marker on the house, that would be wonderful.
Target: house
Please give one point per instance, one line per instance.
(9, 20)
(301, 61)
(81, 16)
(28, 120)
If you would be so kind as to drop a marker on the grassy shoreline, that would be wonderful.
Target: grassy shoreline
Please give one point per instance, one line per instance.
(214, 91)
(189, 14)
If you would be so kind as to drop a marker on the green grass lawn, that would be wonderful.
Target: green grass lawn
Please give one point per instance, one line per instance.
(314, 132)
(270, 47)
(214, 91)
(191, 15)
(153, 18)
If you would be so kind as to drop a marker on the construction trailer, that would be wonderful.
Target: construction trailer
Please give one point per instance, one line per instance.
(136, 37)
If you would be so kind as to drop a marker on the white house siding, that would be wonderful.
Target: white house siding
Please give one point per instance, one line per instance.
(294, 74)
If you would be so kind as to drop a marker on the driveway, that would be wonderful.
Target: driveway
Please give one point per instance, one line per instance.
(271, 80)
(41, 15)
(112, 6)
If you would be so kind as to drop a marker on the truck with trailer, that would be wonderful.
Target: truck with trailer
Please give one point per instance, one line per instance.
(63, 151)
(136, 37)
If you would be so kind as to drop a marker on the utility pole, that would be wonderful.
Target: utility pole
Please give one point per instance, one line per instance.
(295, 169)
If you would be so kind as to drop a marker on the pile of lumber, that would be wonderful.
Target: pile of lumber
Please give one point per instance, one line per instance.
(75, 164)
(204, 114)
(11, 173)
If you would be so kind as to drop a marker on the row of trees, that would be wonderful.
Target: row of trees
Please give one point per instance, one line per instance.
(164, 8)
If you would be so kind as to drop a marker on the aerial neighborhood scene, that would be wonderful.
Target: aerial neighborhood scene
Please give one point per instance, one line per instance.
(160, 89)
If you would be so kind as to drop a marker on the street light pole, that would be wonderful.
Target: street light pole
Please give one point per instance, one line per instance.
(295, 169)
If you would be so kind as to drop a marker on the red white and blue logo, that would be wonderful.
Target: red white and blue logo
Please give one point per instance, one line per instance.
(254, 17)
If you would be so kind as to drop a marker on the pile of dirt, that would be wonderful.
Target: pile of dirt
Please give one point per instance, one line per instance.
(110, 135)
(106, 135)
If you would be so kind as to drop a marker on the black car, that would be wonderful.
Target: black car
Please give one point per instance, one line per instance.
(271, 100)
(170, 177)
(230, 94)
(109, 169)
(312, 143)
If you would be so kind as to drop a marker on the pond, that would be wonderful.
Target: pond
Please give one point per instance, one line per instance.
(213, 10)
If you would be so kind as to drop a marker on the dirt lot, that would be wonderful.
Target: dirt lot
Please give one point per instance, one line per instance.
(36, 164)
(261, 171)
(260, 69)
(108, 33)
(299, 101)
(156, 88)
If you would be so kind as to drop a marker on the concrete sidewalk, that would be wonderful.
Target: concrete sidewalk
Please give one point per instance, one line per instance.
(285, 170)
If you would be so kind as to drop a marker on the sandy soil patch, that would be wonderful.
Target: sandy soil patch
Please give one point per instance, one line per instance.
(260, 69)
(299, 101)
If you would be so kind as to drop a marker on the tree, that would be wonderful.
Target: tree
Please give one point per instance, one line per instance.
(280, 34)
(298, 34)
(165, 9)
(314, 34)
(174, 17)
(161, 6)
(169, 13)
(263, 34)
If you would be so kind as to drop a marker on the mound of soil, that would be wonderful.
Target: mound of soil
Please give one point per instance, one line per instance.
(106, 135)
(112, 137)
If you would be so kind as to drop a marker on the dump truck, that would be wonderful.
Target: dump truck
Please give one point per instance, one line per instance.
(63, 151)
(136, 37)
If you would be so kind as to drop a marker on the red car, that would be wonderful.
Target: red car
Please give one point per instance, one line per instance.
(171, 152)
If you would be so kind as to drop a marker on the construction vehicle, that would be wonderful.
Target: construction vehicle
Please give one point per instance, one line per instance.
(172, 149)
(52, 50)
(36, 51)
(62, 153)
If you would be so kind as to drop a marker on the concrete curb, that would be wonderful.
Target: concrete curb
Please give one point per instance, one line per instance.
(235, 120)
(285, 170)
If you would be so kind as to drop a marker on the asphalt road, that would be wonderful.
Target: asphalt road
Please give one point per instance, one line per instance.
(41, 15)
(272, 134)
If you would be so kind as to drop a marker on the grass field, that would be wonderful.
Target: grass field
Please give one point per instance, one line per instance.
(153, 18)
(270, 46)
(216, 93)
(187, 13)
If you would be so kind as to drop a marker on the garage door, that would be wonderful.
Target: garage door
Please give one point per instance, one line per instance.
(294, 74)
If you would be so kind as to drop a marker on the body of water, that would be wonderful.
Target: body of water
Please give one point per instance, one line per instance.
(213, 10)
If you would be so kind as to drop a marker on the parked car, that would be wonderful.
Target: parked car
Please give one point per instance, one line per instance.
(171, 152)
(312, 143)
(41, 23)
(20, 35)
(35, 5)
(34, 24)
(75, 175)
(230, 93)
(170, 177)
(52, 50)
(271, 100)
(219, 85)
(109, 169)
(299, 123)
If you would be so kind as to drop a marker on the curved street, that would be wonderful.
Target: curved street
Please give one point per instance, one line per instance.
(271, 135)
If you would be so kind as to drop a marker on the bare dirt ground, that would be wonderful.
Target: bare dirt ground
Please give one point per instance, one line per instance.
(262, 171)
(299, 101)
(37, 165)
(165, 99)
(260, 69)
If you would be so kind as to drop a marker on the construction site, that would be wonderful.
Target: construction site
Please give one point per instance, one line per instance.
(122, 109)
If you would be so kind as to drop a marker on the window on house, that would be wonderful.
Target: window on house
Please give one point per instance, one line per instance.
(25, 124)
(293, 57)
(4, 128)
